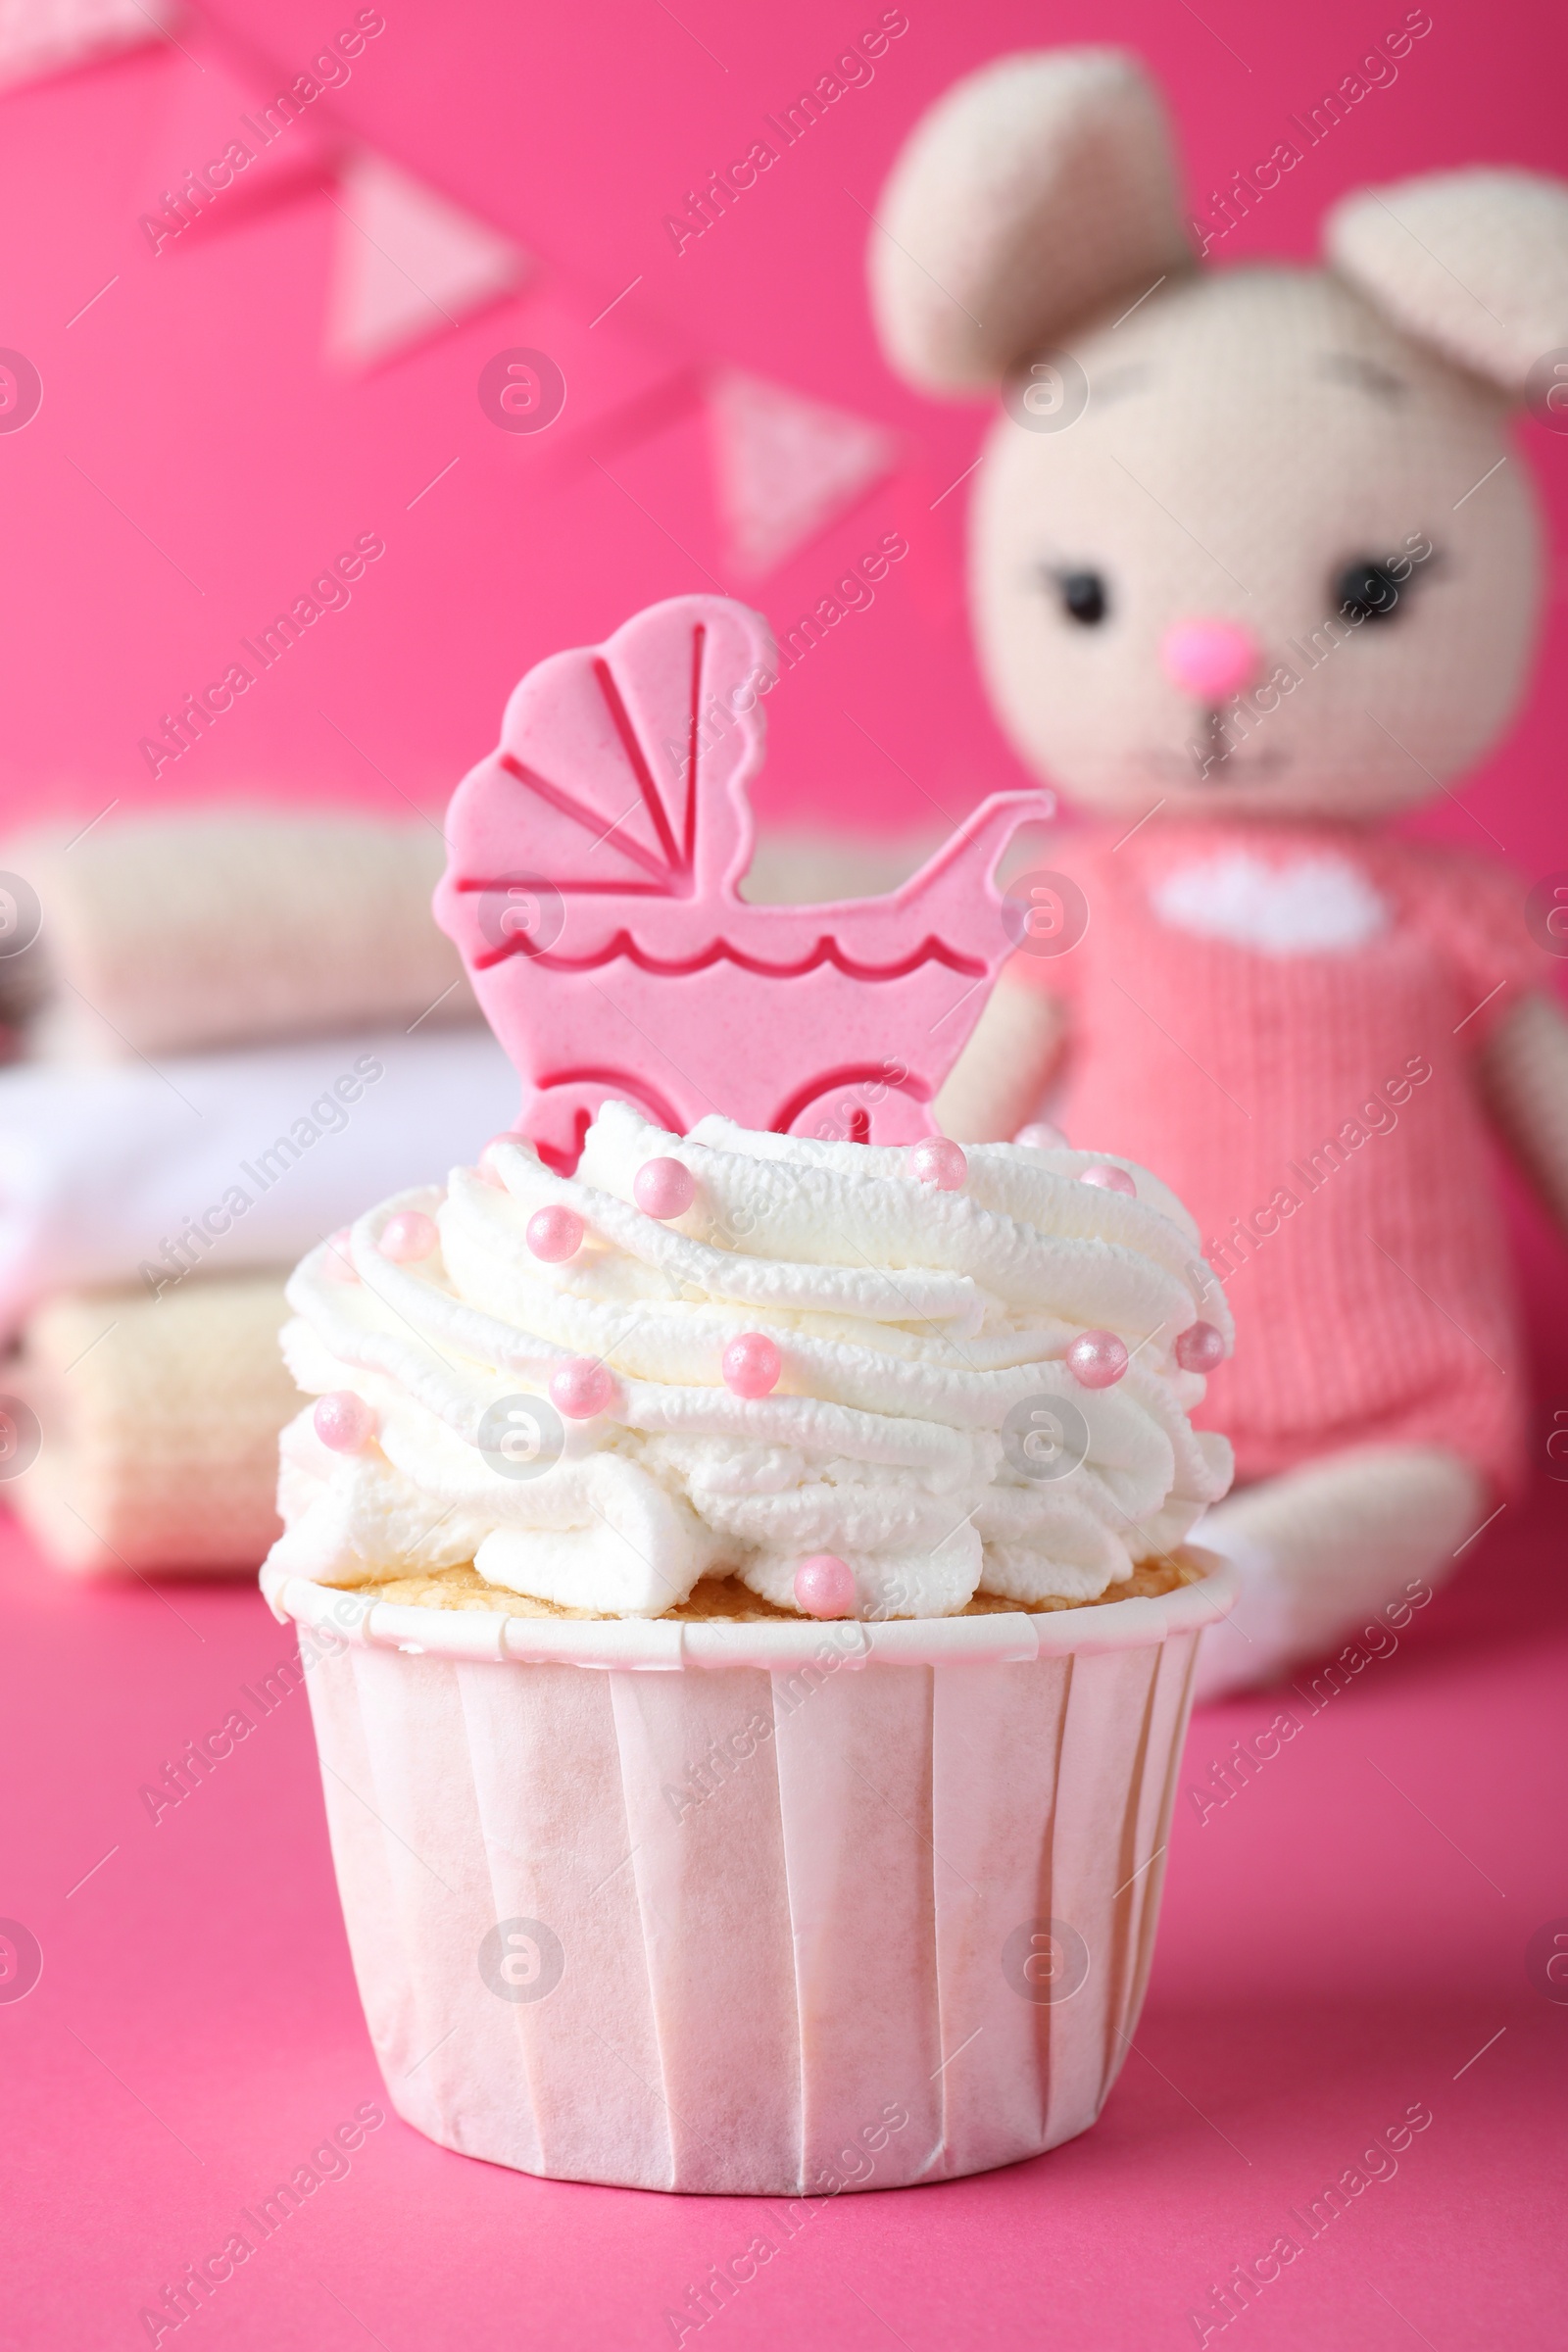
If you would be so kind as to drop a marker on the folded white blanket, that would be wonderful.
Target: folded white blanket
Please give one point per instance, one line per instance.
(156, 1175)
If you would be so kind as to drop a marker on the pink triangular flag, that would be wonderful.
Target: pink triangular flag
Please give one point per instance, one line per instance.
(409, 263)
(40, 37)
(787, 467)
(231, 133)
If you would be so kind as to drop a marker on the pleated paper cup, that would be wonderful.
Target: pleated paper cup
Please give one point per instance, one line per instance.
(773, 1909)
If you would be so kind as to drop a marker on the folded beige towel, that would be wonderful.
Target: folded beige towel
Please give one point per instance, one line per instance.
(194, 929)
(159, 1420)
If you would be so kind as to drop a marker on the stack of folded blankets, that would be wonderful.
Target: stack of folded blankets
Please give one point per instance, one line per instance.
(228, 1032)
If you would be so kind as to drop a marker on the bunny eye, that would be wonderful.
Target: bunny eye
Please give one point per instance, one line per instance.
(1366, 590)
(1083, 597)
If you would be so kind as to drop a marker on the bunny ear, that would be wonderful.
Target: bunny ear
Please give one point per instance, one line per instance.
(1473, 261)
(1035, 192)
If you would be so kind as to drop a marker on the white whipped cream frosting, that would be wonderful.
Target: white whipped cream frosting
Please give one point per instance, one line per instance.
(911, 1322)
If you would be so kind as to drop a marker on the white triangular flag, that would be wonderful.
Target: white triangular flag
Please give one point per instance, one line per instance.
(39, 37)
(787, 467)
(409, 263)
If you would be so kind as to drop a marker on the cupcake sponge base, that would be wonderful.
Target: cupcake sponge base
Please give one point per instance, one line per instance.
(727, 1599)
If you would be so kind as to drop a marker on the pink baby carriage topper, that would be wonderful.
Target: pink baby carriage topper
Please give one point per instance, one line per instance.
(594, 859)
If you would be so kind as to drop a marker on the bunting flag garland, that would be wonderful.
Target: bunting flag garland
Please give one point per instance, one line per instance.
(228, 136)
(235, 132)
(409, 263)
(787, 467)
(42, 37)
(619, 384)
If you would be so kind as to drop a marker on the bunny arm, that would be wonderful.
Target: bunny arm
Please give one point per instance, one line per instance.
(996, 1085)
(1524, 1072)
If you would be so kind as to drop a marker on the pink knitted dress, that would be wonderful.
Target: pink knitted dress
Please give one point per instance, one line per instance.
(1284, 1021)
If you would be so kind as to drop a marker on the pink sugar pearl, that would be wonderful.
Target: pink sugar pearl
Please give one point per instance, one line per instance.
(555, 1232)
(1200, 1347)
(581, 1388)
(751, 1365)
(1108, 1179)
(1041, 1136)
(824, 1585)
(937, 1161)
(1097, 1359)
(664, 1188)
(343, 1421)
(338, 1266)
(411, 1234)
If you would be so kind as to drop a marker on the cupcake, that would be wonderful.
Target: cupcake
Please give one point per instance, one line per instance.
(745, 1595)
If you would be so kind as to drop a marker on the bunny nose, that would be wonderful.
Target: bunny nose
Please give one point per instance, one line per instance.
(1210, 659)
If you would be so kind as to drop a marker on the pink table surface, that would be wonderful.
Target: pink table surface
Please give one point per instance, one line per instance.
(1345, 1938)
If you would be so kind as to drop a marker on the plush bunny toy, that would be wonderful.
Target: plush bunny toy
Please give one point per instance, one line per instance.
(1255, 569)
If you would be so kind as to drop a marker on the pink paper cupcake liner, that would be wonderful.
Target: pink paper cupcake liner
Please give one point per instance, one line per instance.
(764, 1909)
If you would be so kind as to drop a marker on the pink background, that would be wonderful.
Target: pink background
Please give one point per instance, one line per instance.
(1334, 1948)
(194, 395)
